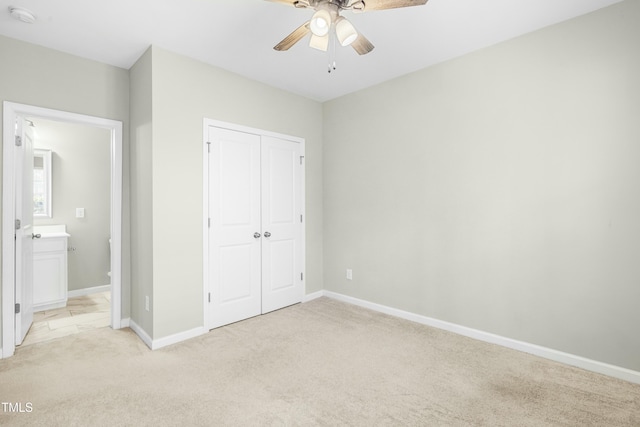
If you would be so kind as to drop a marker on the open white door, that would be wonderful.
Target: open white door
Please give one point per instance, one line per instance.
(282, 264)
(24, 230)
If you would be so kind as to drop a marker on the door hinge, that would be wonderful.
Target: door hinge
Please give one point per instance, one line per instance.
(209, 222)
(208, 147)
(18, 141)
(301, 157)
(18, 224)
(301, 276)
(209, 296)
(17, 308)
(300, 218)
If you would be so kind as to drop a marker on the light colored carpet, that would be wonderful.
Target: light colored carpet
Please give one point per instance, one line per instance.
(319, 363)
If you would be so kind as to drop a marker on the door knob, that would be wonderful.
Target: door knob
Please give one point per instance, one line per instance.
(36, 236)
(256, 235)
(267, 234)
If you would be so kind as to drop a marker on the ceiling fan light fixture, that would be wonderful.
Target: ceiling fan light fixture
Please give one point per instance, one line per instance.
(345, 31)
(320, 23)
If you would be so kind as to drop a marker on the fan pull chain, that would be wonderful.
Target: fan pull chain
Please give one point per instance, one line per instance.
(332, 50)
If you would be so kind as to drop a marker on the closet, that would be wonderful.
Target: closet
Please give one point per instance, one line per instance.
(255, 222)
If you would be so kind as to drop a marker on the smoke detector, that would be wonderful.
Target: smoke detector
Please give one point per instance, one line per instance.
(22, 14)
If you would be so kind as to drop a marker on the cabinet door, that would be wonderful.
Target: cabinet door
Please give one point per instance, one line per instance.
(49, 280)
(282, 264)
(234, 234)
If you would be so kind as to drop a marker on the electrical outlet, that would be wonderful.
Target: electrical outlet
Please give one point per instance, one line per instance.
(349, 274)
(146, 303)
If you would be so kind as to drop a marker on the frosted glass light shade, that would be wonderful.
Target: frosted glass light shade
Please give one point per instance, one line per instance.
(345, 31)
(320, 43)
(320, 23)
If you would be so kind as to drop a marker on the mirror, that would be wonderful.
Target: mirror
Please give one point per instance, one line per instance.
(42, 183)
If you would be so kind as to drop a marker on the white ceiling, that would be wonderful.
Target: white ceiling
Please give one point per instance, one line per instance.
(238, 35)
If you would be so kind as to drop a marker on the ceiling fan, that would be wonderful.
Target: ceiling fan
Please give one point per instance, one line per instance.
(327, 17)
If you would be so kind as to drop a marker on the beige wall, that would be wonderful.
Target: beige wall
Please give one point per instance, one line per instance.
(184, 92)
(81, 178)
(43, 77)
(141, 191)
(499, 190)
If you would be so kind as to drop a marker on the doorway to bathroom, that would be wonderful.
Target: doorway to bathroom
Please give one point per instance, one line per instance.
(71, 182)
(78, 200)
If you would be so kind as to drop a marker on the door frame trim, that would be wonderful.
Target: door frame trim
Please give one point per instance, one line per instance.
(11, 111)
(205, 202)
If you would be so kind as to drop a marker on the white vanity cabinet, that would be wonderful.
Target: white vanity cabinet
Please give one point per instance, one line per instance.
(49, 268)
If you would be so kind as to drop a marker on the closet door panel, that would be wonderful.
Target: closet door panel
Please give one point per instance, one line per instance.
(235, 262)
(282, 283)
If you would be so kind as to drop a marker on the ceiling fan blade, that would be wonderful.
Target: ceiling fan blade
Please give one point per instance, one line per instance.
(362, 45)
(390, 4)
(319, 42)
(294, 37)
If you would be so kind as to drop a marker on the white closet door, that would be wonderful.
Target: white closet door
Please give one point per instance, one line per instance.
(234, 246)
(282, 281)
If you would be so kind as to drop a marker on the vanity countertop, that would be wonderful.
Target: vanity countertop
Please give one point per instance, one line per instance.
(51, 231)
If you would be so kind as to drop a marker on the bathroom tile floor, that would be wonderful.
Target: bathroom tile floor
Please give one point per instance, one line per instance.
(81, 314)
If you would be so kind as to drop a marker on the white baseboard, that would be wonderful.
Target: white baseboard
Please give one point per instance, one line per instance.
(312, 296)
(176, 338)
(88, 291)
(50, 305)
(162, 342)
(547, 353)
(141, 333)
(124, 323)
(183, 336)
